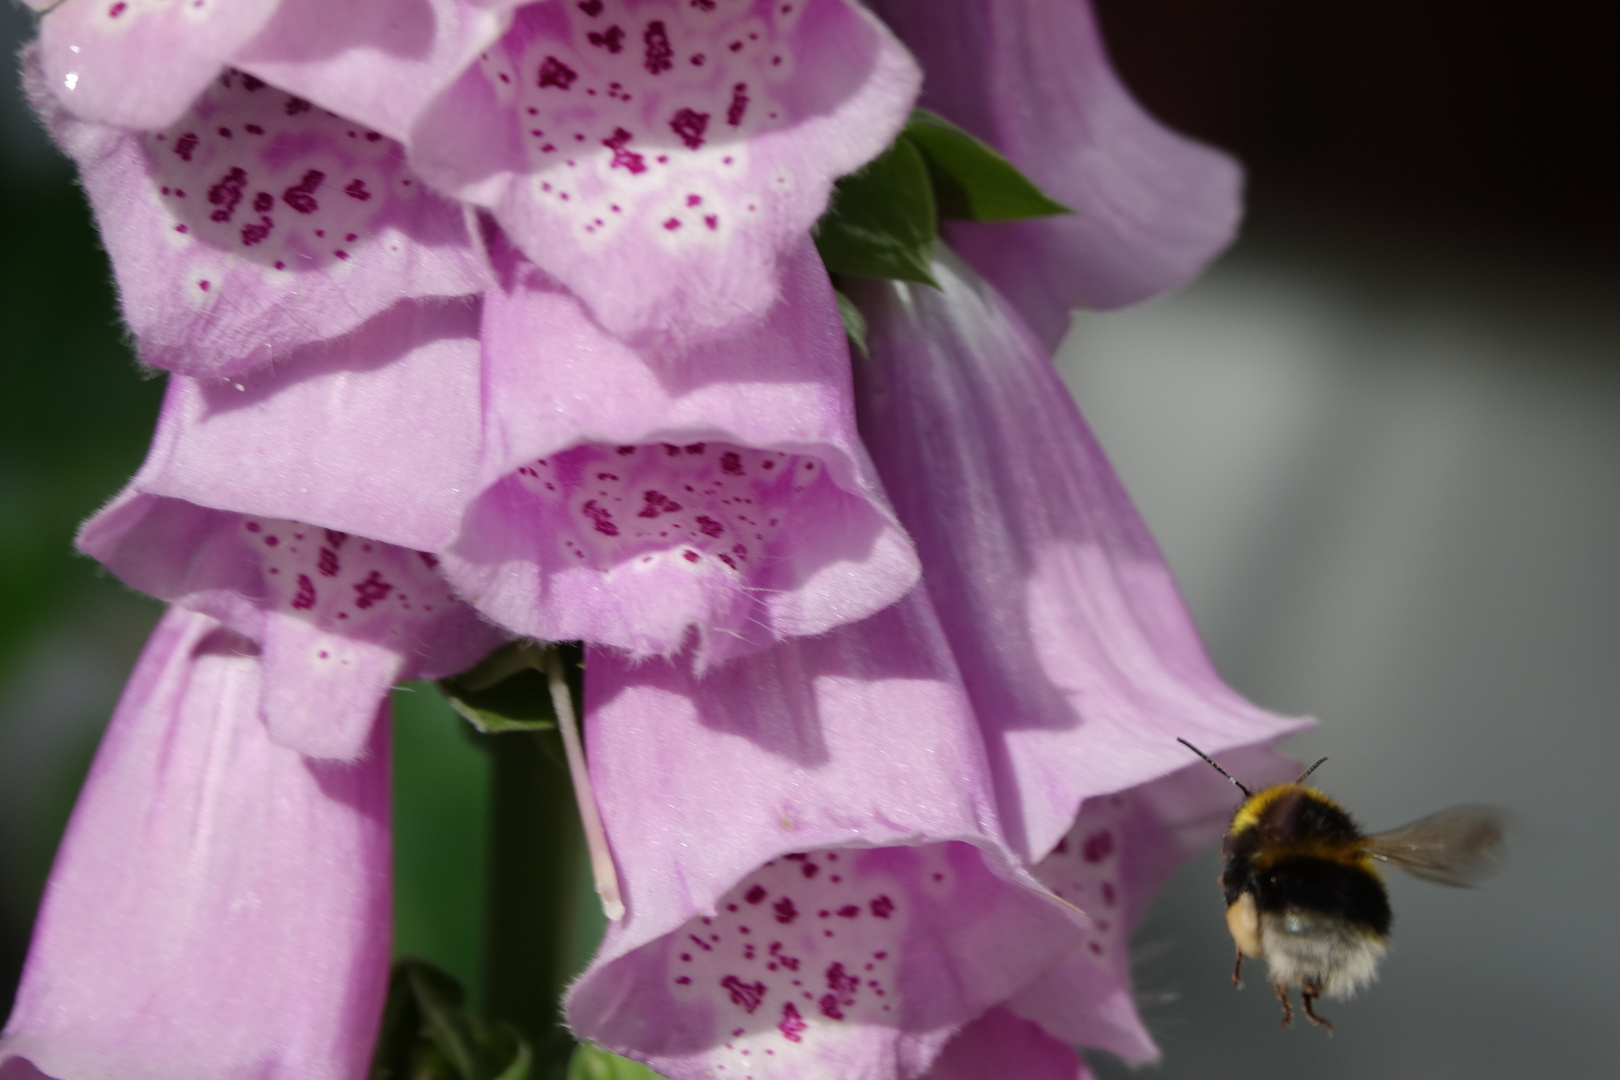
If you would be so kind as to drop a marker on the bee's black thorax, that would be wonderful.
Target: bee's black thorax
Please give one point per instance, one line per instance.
(1291, 847)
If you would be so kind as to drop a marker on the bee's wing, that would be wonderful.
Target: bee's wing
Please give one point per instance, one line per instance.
(1460, 846)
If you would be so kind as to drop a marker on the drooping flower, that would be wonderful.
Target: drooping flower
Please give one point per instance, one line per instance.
(625, 498)
(809, 847)
(220, 907)
(1080, 659)
(258, 229)
(1032, 78)
(299, 505)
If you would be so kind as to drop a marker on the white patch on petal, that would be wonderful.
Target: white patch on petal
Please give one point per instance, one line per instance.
(802, 951)
(1084, 870)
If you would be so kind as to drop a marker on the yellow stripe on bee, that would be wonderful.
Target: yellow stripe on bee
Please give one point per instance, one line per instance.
(1254, 808)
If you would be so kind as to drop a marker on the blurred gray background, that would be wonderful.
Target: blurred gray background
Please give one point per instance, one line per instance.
(1379, 442)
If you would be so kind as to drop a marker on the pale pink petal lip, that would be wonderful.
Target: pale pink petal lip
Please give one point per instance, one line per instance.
(1032, 77)
(139, 65)
(257, 223)
(851, 903)
(219, 908)
(378, 62)
(999, 1043)
(660, 159)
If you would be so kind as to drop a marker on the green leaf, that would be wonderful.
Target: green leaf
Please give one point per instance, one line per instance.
(881, 221)
(506, 1045)
(970, 180)
(427, 1034)
(508, 690)
(593, 1063)
(854, 321)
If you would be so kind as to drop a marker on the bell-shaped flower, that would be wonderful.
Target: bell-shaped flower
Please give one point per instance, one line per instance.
(219, 908)
(659, 158)
(1078, 654)
(626, 497)
(256, 223)
(808, 845)
(258, 167)
(299, 505)
(1032, 78)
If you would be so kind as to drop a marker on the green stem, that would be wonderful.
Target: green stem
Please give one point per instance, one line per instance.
(535, 886)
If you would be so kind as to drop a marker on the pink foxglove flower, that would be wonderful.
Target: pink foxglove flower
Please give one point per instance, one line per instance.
(1031, 77)
(658, 158)
(260, 227)
(808, 841)
(350, 435)
(1080, 659)
(624, 498)
(220, 906)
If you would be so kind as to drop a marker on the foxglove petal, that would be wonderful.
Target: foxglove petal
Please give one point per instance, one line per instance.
(338, 618)
(139, 63)
(256, 223)
(659, 158)
(377, 61)
(1000, 1043)
(629, 497)
(375, 433)
(1032, 78)
(1081, 659)
(851, 904)
(219, 909)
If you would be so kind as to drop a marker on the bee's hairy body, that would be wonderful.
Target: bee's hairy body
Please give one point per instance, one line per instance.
(1302, 893)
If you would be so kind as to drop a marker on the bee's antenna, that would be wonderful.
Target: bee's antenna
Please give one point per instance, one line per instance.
(1223, 772)
(1310, 770)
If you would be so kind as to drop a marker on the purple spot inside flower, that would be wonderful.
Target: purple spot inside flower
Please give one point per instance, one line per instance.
(792, 1025)
(612, 39)
(306, 594)
(882, 908)
(227, 194)
(601, 517)
(1098, 846)
(624, 158)
(356, 189)
(555, 73)
(301, 196)
(371, 590)
(755, 894)
(659, 56)
(690, 126)
(785, 911)
(748, 995)
(739, 104)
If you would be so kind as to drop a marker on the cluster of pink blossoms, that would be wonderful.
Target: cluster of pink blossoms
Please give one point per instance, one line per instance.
(489, 319)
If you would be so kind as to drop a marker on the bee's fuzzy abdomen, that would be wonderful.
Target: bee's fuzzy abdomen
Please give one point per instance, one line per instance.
(1325, 887)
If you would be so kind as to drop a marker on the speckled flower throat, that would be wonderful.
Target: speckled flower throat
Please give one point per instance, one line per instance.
(704, 504)
(637, 115)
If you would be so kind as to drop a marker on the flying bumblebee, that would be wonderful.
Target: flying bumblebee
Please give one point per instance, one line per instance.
(1303, 891)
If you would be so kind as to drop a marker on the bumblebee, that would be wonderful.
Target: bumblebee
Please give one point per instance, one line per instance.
(1303, 891)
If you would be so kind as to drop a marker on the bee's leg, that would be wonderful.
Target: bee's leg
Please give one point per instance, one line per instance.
(1308, 995)
(1237, 971)
(1288, 1009)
